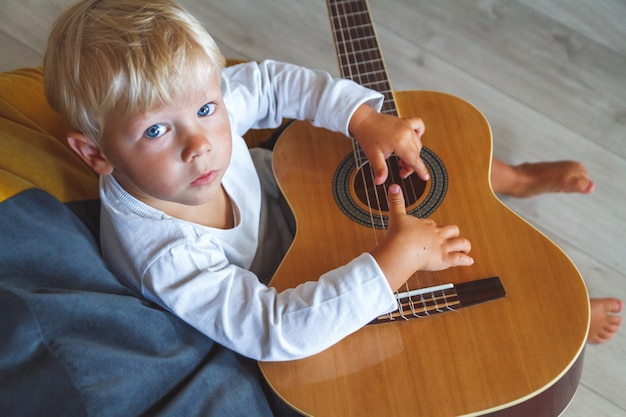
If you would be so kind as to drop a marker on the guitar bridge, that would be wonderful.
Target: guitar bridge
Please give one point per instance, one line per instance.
(424, 302)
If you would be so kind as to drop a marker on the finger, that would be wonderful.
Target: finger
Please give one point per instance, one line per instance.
(460, 244)
(410, 158)
(405, 170)
(396, 201)
(418, 125)
(450, 231)
(379, 168)
(418, 166)
(460, 259)
(422, 170)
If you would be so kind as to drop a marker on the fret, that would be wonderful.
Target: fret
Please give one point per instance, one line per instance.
(365, 66)
(364, 74)
(372, 65)
(363, 62)
(380, 86)
(360, 43)
(360, 71)
(356, 37)
(360, 27)
(369, 81)
(367, 41)
(352, 4)
(388, 107)
(360, 58)
(348, 2)
(352, 47)
(354, 16)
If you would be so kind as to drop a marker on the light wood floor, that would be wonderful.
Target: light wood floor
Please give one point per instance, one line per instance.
(550, 77)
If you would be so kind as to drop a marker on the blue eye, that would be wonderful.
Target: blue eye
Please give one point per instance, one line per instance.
(206, 110)
(155, 131)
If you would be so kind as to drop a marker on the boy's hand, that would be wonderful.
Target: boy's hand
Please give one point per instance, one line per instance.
(380, 135)
(414, 244)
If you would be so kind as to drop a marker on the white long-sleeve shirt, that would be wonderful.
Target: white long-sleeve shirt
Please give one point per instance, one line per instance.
(203, 274)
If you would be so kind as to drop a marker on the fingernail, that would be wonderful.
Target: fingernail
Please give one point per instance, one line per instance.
(394, 189)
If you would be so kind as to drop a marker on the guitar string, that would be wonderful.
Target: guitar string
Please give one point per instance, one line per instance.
(351, 44)
(391, 108)
(374, 55)
(346, 69)
(362, 24)
(340, 32)
(340, 36)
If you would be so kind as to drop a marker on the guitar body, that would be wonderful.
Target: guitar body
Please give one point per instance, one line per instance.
(517, 355)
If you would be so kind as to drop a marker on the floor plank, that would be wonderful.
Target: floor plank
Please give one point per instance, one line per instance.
(588, 403)
(551, 68)
(602, 21)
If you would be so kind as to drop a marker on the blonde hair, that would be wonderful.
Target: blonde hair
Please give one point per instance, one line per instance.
(124, 57)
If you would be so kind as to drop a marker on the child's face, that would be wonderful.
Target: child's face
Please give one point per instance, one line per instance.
(177, 153)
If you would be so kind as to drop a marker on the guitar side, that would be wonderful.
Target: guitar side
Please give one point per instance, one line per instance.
(519, 353)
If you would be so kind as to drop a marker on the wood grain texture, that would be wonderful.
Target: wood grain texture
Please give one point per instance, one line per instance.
(491, 355)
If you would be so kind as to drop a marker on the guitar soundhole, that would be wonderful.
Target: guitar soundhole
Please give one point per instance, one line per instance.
(366, 204)
(375, 197)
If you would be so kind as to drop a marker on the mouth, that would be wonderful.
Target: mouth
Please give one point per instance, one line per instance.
(205, 179)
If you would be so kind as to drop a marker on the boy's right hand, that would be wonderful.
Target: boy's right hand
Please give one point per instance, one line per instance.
(415, 244)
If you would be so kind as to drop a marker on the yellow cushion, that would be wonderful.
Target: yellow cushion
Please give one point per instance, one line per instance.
(33, 149)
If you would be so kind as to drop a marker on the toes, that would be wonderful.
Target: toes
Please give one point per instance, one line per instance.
(589, 188)
(612, 305)
(613, 320)
(605, 319)
(580, 185)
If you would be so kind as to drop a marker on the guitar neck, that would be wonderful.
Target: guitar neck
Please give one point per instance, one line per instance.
(358, 52)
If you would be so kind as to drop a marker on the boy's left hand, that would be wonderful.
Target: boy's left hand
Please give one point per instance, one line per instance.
(380, 135)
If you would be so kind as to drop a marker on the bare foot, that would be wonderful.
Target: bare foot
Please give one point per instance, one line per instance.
(531, 179)
(605, 321)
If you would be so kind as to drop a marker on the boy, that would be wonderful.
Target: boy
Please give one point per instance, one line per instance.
(185, 215)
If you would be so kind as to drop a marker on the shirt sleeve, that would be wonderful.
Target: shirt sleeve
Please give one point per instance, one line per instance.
(230, 305)
(261, 95)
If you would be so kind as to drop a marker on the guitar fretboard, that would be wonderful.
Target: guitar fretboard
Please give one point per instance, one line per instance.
(356, 45)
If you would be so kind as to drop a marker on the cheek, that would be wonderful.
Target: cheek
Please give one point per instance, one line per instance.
(154, 173)
(229, 148)
(226, 141)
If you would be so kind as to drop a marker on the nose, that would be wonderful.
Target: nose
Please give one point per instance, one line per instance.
(195, 144)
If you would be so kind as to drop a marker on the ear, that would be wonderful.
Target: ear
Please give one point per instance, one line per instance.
(90, 152)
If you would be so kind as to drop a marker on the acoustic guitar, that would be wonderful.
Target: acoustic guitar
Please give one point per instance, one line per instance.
(504, 336)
